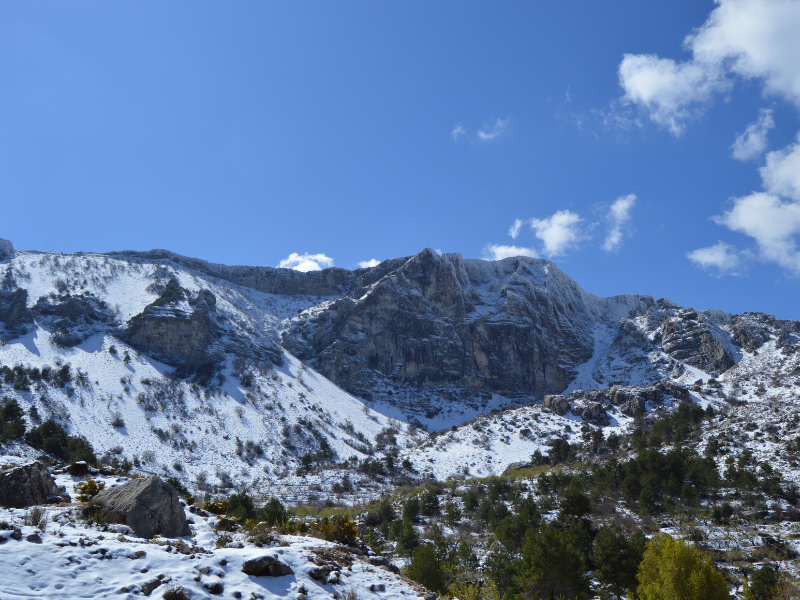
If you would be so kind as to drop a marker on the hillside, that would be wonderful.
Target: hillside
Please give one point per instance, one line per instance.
(235, 374)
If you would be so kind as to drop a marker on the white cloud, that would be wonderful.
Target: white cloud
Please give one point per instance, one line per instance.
(494, 131)
(781, 173)
(458, 131)
(619, 215)
(753, 141)
(751, 39)
(559, 232)
(306, 262)
(667, 89)
(771, 222)
(721, 256)
(499, 252)
(367, 264)
(514, 229)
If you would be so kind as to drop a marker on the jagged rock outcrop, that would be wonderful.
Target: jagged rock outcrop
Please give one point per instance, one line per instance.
(516, 326)
(689, 340)
(6, 249)
(186, 331)
(148, 506)
(28, 485)
(557, 403)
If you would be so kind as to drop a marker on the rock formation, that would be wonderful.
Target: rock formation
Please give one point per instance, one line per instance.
(28, 485)
(6, 249)
(149, 507)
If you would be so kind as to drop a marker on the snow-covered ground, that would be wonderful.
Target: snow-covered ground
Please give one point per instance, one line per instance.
(69, 559)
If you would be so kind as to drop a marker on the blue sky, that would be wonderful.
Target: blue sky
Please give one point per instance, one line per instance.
(247, 132)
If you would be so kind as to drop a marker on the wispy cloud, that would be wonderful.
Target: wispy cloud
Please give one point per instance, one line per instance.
(367, 264)
(499, 252)
(753, 142)
(306, 262)
(721, 258)
(618, 217)
(515, 227)
(458, 131)
(493, 131)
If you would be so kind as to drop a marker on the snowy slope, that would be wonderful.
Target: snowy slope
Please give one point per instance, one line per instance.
(74, 560)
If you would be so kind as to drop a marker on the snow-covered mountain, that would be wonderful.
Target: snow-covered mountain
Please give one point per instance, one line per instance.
(236, 373)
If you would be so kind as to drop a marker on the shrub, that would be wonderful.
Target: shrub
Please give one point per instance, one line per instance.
(338, 529)
(674, 569)
(53, 439)
(176, 593)
(12, 425)
(426, 568)
(88, 489)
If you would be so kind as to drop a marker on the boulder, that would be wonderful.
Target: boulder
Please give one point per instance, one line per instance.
(27, 485)
(79, 469)
(149, 507)
(6, 249)
(266, 566)
(558, 404)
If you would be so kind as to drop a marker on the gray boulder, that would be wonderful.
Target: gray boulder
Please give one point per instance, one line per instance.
(266, 566)
(558, 404)
(149, 506)
(28, 485)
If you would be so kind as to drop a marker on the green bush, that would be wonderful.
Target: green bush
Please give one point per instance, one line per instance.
(53, 439)
(12, 425)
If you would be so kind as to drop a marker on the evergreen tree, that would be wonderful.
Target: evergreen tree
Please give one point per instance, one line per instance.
(616, 556)
(674, 570)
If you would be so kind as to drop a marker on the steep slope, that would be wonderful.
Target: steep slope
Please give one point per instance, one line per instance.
(237, 373)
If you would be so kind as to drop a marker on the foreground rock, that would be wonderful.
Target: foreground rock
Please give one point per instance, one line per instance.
(266, 566)
(28, 485)
(148, 506)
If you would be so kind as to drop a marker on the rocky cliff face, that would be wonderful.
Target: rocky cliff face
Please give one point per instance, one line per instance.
(470, 328)
(186, 331)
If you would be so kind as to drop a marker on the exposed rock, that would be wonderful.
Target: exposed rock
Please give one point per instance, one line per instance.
(6, 249)
(691, 340)
(189, 334)
(34, 538)
(14, 311)
(320, 573)
(266, 566)
(27, 485)
(558, 404)
(516, 326)
(150, 586)
(149, 507)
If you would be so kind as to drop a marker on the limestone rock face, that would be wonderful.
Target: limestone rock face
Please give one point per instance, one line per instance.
(6, 249)
(190, 334)
(149, 506)
(28, 485)
(515, 327)
(686, 339)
